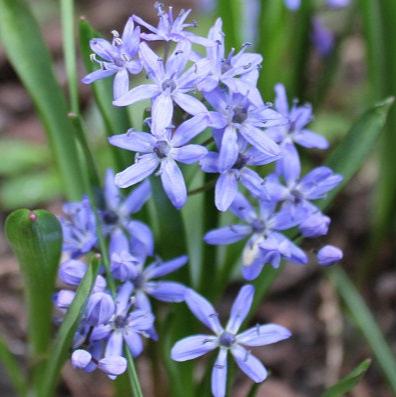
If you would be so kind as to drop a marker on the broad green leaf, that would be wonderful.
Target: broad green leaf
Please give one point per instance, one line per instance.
(347, 383)
(115, 119)
(29, 56)
(13, 369)
(61, 347)
(36, 239)
(366, 323)
(19, 156)
(349, 156)
(29, 189)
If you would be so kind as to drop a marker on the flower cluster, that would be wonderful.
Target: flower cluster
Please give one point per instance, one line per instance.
(205, 110)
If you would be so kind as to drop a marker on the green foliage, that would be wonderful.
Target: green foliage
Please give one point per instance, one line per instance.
(347, 383)
(13, 369)
(30, 57)
(36, 239)
(366, 323)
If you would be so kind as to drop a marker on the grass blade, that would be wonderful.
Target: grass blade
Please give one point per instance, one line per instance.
(347, 383)
(132, 374)
(36, 239)
(63, 341)
(13, 369)
(352, 152)
(30, 57)
(69, 52)
(365, 322)
(230, 12)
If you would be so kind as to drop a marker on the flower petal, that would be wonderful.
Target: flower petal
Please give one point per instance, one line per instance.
(193, 347)
(262, 335)
(120, 83)
(219, 374)
(135, 201)
(240, 308)
(173, 182)
(137, 94)
(134, 342)
(203, 311)
(227, 234)
(98, 75)
(226, 190)
(229, 149)
(144, 167)
(159, 269)
(281, 104)
(249, 364)
(113, 365)
(310, 140)
(135, 141)
(189, 154)
(189, 129)
(260, 140)
(189, 104)
(161, 114)
(166, 291)
(114, 344)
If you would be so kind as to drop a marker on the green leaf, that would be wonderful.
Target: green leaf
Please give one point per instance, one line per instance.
(366, 323)
(347, 383)
(18, 156)
(230, 12)
(29, 56)
(29, 189)
(349, 156)
(36, 239)
(69, 52)
(115, 119)
(60, 349)
(13, 369)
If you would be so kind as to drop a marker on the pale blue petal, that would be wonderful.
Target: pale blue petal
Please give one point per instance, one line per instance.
(261, 335)
(137, 94)
(161, 114)
(189, 154)
(193, 347)
(249, 364)
(120, 83)
(219, 374)
(189, 129)
(173, 182)
(135, 141)
(240, 308)
(189, 104)
(225, 190)
(159, 269)
(98, 75)
(227, 234)
(166, 291)
(229, 149)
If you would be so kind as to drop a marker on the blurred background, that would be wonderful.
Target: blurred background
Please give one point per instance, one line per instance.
(342, 60)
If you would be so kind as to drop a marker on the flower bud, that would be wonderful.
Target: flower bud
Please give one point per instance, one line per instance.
(100, 308)
(315, 225)
(72, 271)
(329, 254)
(81, 358)
(113, 366)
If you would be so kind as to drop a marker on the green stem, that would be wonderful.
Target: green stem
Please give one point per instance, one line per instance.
(69, 51)
(132, 374)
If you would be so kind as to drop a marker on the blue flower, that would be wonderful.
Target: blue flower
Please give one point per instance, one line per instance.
(226, 187)
(239, 72)
(79, 228)
(170, 29)
(125, 325)
(119, 58)
(265, 243)
(116, 216)
(298, 193)
(228, 339)
(293, 131)
(237, 119)
(171, 83)
(162, 149)
(293, 5)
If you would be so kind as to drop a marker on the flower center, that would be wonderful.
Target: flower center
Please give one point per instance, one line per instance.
(297, 197)
(138, 282)
(110, 217)
(240, 115)
(258, 225)
(120, 322)
(161, 149)
(226, 339)
(168, 85)
(241, 161)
